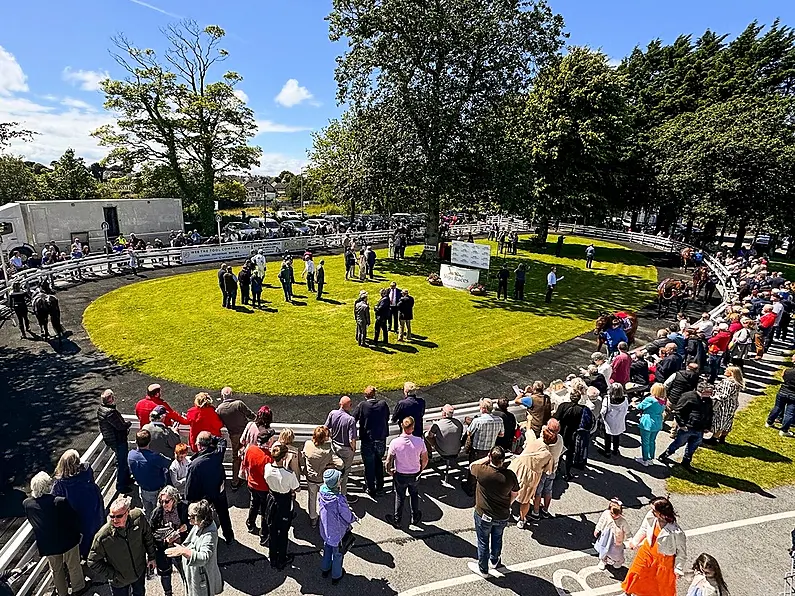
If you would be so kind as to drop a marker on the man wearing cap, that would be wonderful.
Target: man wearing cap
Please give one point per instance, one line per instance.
(163, 439)
(370, 254)
(445, 436)
(206, 479)
(154, 398)
(342, 427)
(235, 415)
(406, 460)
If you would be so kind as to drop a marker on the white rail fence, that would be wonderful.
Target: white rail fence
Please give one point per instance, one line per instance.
(22, 548)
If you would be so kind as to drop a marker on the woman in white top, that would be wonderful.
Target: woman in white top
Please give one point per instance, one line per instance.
(614, 415)
(707, 578)
(282, 484)
(662, 551)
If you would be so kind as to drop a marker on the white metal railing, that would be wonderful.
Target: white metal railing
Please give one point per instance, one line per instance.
(21, 548)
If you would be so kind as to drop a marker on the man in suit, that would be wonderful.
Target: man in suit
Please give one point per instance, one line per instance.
(221, 273)
(206, 478)
(394, 297)
(382, 315)
(230, 288)
(320, 276)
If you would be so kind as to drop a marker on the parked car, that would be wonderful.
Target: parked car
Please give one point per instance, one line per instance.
(314, 223)
(288, 215)
(340, 220)
(269, 227)
(237, 230)
(293, 227)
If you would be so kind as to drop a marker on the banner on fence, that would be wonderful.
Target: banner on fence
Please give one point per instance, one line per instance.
(458, 277)
(469, 254)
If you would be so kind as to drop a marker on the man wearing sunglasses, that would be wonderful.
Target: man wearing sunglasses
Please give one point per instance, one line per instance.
(123, 549)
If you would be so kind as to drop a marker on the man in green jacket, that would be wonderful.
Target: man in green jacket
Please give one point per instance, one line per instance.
(122, 550)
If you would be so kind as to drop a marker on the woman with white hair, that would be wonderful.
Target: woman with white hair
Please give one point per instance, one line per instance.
(170, 525)
(75, 481)
(55, 526)
(200, 551)
(614, 415)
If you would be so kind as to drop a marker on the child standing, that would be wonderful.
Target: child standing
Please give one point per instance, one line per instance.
(708, 579)
(611, 531)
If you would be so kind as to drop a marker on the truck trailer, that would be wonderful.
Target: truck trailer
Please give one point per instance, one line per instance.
(26, 226)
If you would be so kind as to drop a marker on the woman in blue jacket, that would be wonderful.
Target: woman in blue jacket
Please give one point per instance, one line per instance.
(75, 481)
(651, 422)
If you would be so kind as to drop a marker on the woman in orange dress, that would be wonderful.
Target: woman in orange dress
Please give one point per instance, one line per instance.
(662, 551)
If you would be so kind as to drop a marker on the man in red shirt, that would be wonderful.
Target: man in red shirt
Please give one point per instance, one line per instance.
(717, 346)
(621, 365)
(766, 323)
(254, 461)
(152, 399)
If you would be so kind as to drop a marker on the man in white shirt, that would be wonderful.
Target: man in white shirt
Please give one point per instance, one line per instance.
(309, 273)
(260, 262)
(552, 281)
(705, 325)
(602, 366)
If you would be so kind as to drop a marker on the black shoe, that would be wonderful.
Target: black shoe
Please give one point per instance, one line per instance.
(545, 513)
(288, 560)
(252, 529)
(264, 541)
(605, 453)
(352, 499)
(313, 523)
(417, 519)
(390, 519)
(334, 582)
(615, 452)
(686, 465)
(371, 493)
(230, 541)
(326, 573)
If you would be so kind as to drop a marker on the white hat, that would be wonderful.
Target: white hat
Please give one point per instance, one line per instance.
(723, 326)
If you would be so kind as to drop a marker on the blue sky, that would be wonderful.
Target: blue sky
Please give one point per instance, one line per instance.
(52, 54)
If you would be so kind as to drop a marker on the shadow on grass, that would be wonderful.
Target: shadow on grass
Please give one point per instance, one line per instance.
(714, 480)
(751, 450)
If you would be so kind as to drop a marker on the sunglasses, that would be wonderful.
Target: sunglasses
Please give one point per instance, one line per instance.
(164, 501)
(118, 516)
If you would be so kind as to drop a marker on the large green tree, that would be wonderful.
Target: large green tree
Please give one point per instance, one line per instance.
(70, 179)
(433, 74)
(175, 114)
(573, 132)
(17, 180)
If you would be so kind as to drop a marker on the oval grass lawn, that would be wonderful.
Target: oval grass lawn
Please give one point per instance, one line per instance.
(175, 328)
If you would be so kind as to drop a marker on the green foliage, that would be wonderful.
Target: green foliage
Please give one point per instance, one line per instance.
(10, 131)
(17, 181)
(174, 117)
(230, 193)
(69, 179)
(425, 82)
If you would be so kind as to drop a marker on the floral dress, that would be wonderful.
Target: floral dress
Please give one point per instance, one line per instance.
(725, 402)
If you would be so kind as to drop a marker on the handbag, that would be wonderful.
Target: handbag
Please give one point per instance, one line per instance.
(347, 541)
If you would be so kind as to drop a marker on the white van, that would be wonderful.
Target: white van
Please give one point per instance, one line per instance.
(269, 226)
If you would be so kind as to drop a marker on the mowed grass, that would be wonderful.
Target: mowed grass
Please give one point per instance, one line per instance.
(753, 459)
(175, 328)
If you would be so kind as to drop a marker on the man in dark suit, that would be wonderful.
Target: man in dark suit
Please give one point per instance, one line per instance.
(382, 315)
(320, 278)
(394, 297)
(230, 288)
(221, 273)
(206, 478)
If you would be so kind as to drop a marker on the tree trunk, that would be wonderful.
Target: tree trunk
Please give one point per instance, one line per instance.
(722, 235)
(633, 224)
(542, 230)
(738, 241)
(710, 228)
(689, 228)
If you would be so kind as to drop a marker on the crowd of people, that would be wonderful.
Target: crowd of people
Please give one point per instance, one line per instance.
(690, 376)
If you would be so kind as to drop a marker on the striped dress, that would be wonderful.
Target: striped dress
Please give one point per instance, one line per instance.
(725, 402)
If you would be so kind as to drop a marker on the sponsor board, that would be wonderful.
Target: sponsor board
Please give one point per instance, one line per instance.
(458, 277)
(469, 254)
(228, 252)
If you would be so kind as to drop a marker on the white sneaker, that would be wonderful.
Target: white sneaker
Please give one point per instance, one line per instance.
(520, 524)
(601, 566)
(787, 433)
(495, 565)
(473, 567)
(641, 461)
(769, 425)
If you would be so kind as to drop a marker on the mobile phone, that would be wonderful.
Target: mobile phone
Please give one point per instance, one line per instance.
(516, 390)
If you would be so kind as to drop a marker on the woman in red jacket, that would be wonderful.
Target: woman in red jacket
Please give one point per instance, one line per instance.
(201, 417)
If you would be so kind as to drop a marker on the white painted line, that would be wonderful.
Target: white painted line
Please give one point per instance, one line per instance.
(578, 554)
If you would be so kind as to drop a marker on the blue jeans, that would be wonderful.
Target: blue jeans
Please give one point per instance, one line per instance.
(648, 438)
(714, 366)
(124, 479)
(332, 559)
(785, 405)
(489, 530)
(372, 454)
(692, 438)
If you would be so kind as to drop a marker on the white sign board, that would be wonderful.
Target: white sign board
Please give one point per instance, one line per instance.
(228, 252)
(457, 277)
(470, 254)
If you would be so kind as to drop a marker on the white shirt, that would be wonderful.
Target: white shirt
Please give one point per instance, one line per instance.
(179, 474)
(614, 416)
(309, 266)
(279, 479)
(259, 261)
(778, 308)
(606, 370)
(552, 279)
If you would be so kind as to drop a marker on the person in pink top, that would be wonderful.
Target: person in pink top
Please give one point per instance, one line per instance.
(406, 459)
(621, 365)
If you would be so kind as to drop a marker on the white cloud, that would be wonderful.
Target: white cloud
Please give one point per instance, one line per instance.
(275, 163)
(293, 94)
(155, 8)
(614, 62)
(87, 80)
(78, 104)
(268, 126)
(12, 79)
(241, 95)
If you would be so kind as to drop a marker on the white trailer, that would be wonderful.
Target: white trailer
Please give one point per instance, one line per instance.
(27, 226)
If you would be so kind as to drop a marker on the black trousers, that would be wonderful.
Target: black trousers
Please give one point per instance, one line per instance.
(257, 298)
(393, 319)
(258, 506)
(320, 290)
(22, 317)
(611, 442)
(244, 293)
(406, 483)
(281, 519)
(518, 290)
(502, 287)
(310, 282)
(221, 507)
(380, 325)
(229, 299)
(548, 297)
(783, 329)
